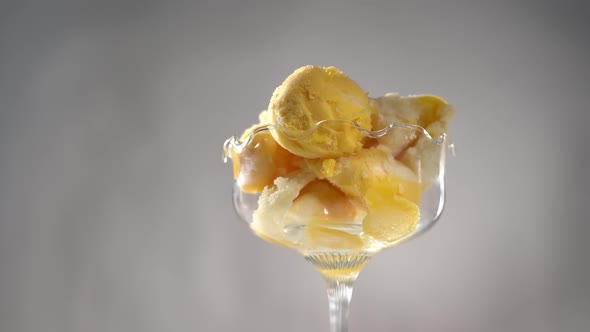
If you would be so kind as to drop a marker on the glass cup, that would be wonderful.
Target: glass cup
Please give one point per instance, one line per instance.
(339, 212)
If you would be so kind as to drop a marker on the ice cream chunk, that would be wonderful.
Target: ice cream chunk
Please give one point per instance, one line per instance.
(389, 189)
(425, 111)
(412, 147)
(391, 217)
(319, 237)
(313, 110)
(322, 216)
(355, 174)
(274, 203)
(321, 203)
(425, 157)
(261, 161)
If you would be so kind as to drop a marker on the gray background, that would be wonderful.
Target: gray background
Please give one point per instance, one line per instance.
(115, 207)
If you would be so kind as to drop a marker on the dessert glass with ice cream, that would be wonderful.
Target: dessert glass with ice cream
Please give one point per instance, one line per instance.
(338, 176)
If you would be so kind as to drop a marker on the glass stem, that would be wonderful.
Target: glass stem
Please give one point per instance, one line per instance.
(340, 270)
(339, 294)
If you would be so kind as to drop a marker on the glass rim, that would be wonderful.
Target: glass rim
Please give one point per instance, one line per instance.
(234, 143)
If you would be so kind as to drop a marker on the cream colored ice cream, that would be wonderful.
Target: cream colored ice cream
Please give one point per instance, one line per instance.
(421, 110)
(313, 111)
(274, 204)
(411, 146)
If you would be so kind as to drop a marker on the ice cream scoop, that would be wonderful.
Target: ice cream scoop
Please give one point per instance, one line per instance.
(313, 113)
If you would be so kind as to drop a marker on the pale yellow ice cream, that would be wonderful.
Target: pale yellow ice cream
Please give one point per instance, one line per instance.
(313, 111)
(410, 146)
(422, 110)
(261, 161)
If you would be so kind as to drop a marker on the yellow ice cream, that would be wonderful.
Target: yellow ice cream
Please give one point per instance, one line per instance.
(324, 185)
(356, 174)
(389, 189)
(313, 111)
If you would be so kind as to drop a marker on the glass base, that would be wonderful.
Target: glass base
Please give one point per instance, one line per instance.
(343, 264)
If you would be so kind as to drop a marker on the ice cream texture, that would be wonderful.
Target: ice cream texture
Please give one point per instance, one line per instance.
(314, 112)
(261, 161)
(323, 183)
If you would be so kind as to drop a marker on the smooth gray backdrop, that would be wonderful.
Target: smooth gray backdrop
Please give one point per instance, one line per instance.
(115, 209)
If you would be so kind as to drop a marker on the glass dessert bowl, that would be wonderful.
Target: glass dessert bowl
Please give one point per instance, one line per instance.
(338, 177)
